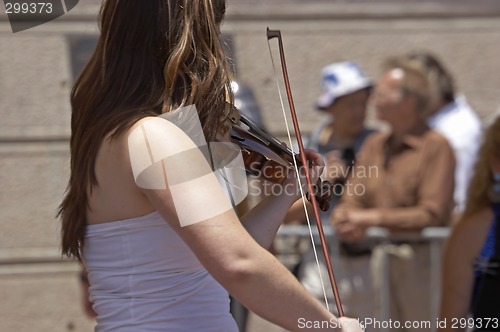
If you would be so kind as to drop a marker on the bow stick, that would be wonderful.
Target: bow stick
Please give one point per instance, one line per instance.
(277, 34)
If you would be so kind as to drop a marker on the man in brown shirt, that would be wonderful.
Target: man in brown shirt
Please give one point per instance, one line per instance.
(403, 180)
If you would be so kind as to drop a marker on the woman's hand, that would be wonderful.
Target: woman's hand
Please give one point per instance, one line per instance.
(316, 166)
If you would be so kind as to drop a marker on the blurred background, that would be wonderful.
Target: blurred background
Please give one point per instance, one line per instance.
(39, 290)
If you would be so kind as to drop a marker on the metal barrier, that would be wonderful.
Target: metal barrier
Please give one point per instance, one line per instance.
(433, 235)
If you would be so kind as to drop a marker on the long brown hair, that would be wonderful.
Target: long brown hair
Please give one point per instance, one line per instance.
(152, 57)
(478, 197)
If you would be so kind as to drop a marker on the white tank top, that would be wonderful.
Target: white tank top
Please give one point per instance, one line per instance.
(145, 278)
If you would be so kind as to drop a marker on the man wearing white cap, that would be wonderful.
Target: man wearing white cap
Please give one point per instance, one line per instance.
(344, 99)
(338, 138)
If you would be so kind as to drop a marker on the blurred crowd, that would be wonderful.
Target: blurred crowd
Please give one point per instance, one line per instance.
(435, 166)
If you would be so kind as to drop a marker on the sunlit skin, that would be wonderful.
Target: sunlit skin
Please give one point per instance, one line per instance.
(495, 164)
(459, 260)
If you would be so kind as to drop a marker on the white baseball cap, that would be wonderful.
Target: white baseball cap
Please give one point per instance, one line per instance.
(340, 79)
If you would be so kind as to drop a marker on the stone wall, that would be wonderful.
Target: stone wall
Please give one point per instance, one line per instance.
(39, 290)
(468, 45)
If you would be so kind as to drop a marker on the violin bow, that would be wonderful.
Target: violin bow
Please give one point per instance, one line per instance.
(277, 34)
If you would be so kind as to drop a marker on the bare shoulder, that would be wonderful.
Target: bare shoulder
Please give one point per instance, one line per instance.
(472, 230)
(116, 195)
(481, 219)
(468, 236)
(148, 140)
(146, 133)
(157, 133)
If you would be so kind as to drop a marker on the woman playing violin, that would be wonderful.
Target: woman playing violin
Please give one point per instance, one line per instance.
(144, 211)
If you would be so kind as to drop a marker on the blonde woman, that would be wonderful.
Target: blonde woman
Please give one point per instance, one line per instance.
(471, 273)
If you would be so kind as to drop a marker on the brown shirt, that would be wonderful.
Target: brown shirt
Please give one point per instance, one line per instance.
(412, 187)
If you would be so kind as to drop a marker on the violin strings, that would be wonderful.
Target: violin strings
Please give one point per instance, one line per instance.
(298, 176)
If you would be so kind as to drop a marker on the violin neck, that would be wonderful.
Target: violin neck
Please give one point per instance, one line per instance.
(272, 141)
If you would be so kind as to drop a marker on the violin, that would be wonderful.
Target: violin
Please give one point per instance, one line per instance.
(268, 158)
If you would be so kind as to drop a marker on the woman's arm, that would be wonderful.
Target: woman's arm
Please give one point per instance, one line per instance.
(263, 221)
(194, 205)
(460, 251)
(249, 273)
(335, 171)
